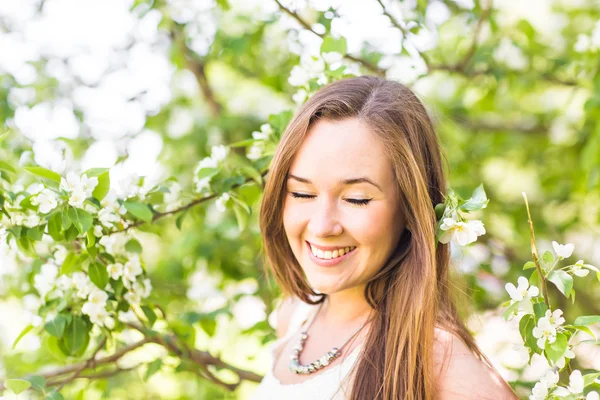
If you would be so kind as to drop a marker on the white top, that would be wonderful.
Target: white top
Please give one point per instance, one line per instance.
(323, 386)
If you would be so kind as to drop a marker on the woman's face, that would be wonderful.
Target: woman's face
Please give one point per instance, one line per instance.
(342, 207)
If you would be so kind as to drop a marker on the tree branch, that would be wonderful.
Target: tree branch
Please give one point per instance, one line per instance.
(197, 67)
(369, 65)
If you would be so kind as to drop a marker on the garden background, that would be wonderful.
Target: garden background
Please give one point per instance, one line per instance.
(125, 89)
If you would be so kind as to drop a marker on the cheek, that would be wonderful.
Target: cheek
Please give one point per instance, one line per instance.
(292, 222)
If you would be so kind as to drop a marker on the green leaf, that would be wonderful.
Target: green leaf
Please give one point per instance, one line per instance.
(139, 210)
(7, 167)
(529, 265)
(153, 368)
(37, 382)
(477, 201)
(241, 215)
(180, 218)
(68, 266)
(586, 320)
(539, 309)
(55, 226)
(98, 274)
(44, 173)
(555, 350)
(548, 257)
(54, 395)
(150, 314)
(23, 333)
(583, 329)
(66, 222)
(562, 280)
(510, 310)
(56, 327)
(133, 246)
(525, 320)
(76, 336)
(81, 219)
(588, 379)
(209, 326)
(17, 385)
(207, 173)
(103, 186)
(330, 44)
(34, 233)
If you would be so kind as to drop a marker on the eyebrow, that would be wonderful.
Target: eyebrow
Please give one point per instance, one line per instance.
(352, 181)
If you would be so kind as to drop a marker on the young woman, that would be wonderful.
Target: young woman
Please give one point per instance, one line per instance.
(348, 226)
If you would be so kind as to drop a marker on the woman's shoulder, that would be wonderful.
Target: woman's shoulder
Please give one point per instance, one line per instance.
(461, 374)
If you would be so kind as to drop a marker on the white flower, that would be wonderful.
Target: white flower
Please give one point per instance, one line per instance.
(248, 311)
(60, 254)
(127, 316)
(97, 230)
(221, 202)
(300, 96)
(265, 132)
(219, 153)
(77, 198)
(540, 390)
(510, 55)
(131, 270)
(45, 281)
(255, 151)
(64, 283)
(174, 193)
(544, 332)
(71, 182)
(583, 43)
(298, 76)
(88, 184)
(46, 200)
(461, 232)
(576, 385)
(592, 396)
(555, 317)
(132, 297)
(563, 250)
(115, 270)
(579, 269)
(332, 57)
(206, 162)
(108, 217)
(202, 184)
(83, 284)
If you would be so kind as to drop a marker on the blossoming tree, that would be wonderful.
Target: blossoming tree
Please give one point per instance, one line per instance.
(132, 162)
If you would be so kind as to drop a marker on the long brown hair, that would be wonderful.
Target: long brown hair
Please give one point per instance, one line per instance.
(410, 292)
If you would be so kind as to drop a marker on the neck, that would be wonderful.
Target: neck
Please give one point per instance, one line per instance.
(346, 307)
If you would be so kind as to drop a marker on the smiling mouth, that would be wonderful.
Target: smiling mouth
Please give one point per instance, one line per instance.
(330, 254)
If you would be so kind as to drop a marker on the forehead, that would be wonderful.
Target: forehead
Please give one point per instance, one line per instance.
(341, 149)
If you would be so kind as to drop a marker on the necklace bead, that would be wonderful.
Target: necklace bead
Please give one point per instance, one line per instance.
(322, 362)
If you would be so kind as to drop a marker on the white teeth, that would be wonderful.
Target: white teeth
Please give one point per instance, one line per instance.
(328, 255)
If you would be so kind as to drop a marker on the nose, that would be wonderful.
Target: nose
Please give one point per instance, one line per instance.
(324, 219)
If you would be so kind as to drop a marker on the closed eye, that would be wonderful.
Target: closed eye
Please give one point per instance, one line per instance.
(358, 202)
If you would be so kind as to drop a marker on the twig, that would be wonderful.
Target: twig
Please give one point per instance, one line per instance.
(101, 361)
(534, 253)
(369, 65)
(197, 67)
(90, 363)
(191, 204)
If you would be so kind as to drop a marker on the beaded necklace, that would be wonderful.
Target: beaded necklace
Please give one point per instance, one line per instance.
(322, 362)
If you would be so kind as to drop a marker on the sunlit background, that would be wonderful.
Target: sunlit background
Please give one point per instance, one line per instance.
(147, 88)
